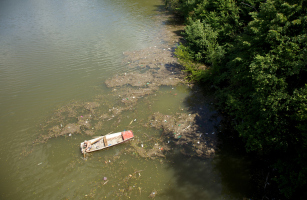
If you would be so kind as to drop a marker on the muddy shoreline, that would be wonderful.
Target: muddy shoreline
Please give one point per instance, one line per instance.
(149, 69)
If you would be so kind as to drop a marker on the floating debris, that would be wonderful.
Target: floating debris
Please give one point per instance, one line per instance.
(153, 194)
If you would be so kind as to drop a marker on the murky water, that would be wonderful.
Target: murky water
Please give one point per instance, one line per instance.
(57, 54)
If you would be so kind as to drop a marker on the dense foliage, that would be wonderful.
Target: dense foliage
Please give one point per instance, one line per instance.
(256, 58)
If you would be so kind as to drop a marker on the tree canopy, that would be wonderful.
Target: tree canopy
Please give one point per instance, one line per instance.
(256, 58)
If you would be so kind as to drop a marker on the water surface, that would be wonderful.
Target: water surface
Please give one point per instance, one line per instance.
(54, 52)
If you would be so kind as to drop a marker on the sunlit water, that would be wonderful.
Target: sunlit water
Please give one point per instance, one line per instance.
(53, 52)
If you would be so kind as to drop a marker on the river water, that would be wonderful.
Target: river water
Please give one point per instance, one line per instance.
(56, 53)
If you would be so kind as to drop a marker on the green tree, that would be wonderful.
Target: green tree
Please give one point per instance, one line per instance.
(267, 88)
(257, 58)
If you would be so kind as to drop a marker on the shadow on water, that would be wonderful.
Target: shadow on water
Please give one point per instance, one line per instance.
(173, 18)
(232, 172)
(229, 174)
(195, 179)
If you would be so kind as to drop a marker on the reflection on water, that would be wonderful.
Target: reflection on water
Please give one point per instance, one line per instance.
(55, 55)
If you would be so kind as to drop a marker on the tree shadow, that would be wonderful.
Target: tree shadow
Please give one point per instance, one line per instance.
(194, 178)
(227, 175)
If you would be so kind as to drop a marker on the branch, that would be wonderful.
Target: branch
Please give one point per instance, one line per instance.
(249, 5)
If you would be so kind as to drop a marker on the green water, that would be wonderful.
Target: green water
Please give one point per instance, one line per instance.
(55, 52)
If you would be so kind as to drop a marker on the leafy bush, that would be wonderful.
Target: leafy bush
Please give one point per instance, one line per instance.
(256, 53)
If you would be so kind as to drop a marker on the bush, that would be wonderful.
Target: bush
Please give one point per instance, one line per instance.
(256, 53)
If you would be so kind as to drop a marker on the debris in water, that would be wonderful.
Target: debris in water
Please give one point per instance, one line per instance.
(140, 190)
(153, 194)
